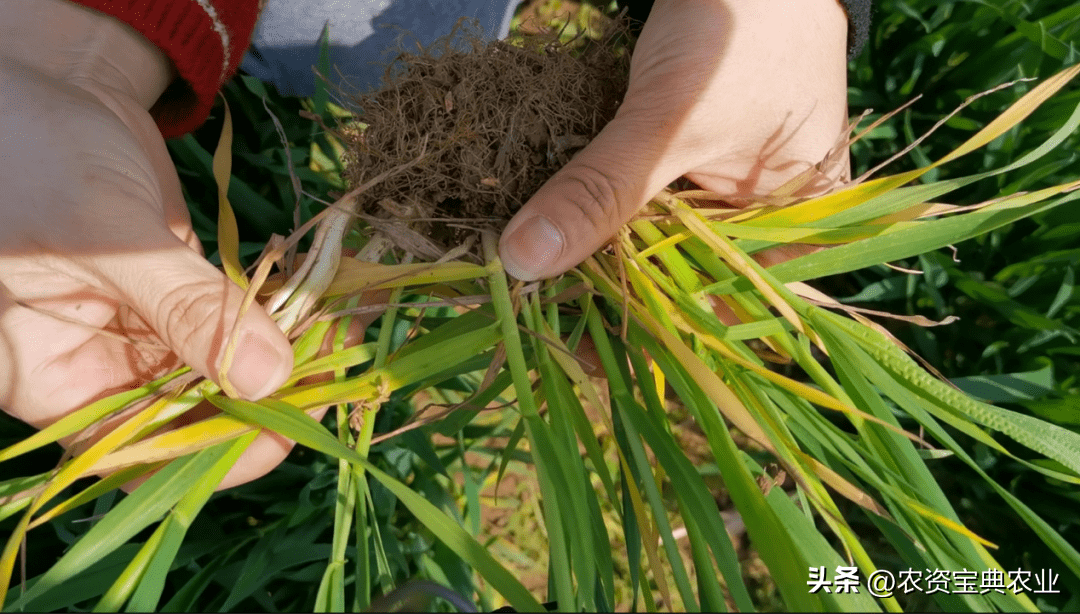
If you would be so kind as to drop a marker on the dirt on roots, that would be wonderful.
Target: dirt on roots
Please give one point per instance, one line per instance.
(469, 130)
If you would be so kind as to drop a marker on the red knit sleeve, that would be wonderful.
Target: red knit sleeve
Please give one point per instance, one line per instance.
(205, 39)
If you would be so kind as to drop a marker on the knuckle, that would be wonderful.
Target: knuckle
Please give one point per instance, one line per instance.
(596, 196)
(188, 311)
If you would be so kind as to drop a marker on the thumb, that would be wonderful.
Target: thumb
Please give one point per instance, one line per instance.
(192, 307)
(585, 203)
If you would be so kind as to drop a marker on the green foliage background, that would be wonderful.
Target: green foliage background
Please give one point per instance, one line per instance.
(1017, 343)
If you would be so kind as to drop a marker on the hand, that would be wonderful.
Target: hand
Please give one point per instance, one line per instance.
(738, 96)
(95, 234)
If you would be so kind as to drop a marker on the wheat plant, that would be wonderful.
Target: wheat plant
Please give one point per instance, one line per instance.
(821, 392)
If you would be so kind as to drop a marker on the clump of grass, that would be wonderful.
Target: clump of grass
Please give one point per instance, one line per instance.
(843, 431)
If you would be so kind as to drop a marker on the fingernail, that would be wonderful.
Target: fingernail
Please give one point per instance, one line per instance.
(532, 249)
(258, 368)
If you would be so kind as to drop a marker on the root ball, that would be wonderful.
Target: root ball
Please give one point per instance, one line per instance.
(484, 126)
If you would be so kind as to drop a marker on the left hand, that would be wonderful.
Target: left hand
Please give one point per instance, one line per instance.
(739, 96)
(103, 284)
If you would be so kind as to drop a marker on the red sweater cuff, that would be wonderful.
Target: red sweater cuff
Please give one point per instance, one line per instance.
(205, 39)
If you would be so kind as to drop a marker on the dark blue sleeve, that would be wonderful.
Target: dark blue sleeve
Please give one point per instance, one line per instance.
(858, 14)
(363, 36)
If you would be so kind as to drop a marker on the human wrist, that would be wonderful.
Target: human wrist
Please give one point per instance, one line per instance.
(84, 47)
(825, 19)
(829, 12)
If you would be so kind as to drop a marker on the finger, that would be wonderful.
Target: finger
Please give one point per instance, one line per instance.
(264, 454)
(163, 171)
(174, 207)
(582, 206)
(193, 307)
(270, 449)
(261, 457)
(646, 146)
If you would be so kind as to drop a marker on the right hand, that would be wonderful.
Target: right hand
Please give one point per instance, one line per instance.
(739, 96)
(94, 229)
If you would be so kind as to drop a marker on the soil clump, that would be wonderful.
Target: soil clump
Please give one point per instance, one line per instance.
(475, 128)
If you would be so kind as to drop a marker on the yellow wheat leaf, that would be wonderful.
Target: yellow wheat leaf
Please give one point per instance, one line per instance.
(228, 235)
